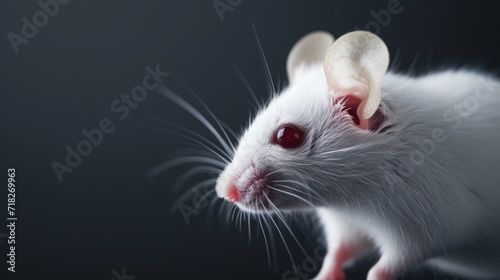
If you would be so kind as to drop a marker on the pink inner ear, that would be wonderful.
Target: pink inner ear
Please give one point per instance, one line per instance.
(351, 106)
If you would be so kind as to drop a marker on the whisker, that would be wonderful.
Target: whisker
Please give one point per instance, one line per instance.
(284, 223)
(248, 217)
(302, 192)
(190, 192)
(395, 64)
(411, 70)
(211, 208)
(225, 157)
(195, 113)
(282, 237)
(230, 130)
(178, 142)
(224, 209)
(248, 87)
(195, 170)
(183, 160)
(294, 195)
(210, 113)
(234, 217)
(302, 185)
(239, 220)
(205, 196)
(265, 241)
(272, 242)
(230, 215)
(279, 85)
(194, 133)
(269, 78)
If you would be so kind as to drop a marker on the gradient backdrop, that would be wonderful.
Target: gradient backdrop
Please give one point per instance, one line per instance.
(106, 219)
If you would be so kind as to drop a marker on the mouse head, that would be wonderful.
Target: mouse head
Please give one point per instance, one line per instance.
(301, 147)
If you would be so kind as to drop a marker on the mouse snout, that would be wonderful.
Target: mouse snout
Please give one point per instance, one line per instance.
(248, 187)
(226, 187)
(232, 193)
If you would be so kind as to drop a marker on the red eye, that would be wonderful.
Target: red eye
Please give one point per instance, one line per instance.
(288, 136)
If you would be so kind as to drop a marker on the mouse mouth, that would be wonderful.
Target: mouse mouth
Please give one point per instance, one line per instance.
(257, 191)
(253, 191)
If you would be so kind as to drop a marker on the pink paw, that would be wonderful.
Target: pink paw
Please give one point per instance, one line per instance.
(379, 274)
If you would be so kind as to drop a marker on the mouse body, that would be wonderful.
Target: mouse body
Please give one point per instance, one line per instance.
(408, 166)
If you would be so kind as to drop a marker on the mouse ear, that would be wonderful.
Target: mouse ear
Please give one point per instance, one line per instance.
(309, 49)
(355, 66)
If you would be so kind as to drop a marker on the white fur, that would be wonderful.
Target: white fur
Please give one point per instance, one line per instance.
(358, 178)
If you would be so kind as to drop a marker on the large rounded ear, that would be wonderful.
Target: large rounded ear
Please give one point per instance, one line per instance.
(355, 66)
(311, 48)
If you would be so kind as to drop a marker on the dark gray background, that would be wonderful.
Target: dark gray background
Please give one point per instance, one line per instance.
(106, 214)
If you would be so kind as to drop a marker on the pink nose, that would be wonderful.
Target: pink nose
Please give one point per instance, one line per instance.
(232, 194)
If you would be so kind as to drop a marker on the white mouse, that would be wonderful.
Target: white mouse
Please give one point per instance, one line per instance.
(406, 166)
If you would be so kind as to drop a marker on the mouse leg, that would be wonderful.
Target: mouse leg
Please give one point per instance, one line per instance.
(393, 264)
(337, 256)
(386, 268)
(344, 242)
